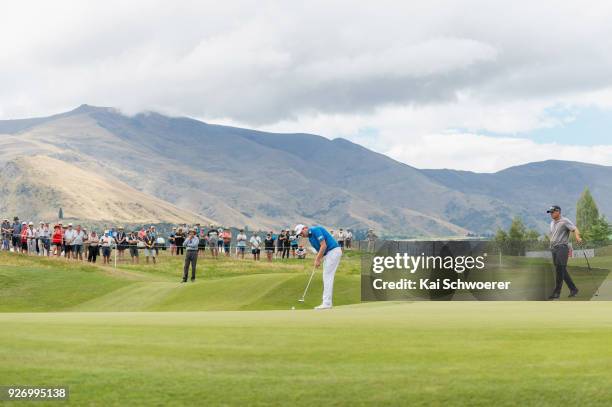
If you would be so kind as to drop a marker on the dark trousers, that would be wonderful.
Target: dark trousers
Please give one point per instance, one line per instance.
(92, 254)
(285, 252)
(560, 254)
(191, 257)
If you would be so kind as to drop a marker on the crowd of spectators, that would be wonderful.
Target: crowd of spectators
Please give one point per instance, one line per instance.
(77, 243)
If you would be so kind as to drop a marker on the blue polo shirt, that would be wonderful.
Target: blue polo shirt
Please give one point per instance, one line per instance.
(317, 234)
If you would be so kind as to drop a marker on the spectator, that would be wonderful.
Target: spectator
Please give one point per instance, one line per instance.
(241, 243)
(201, 234)
(301, 252)
(371, 238)
(293, 239)
(6, 231)
(31, 239)
(68, 241)
(191, 255)
(220, 238)
(213, 242)
(57, 239)
(286, 245)
(24, 237)
(153, 233)
(92, 249)
(279, 242)
(133, 242)
(172, 241)
(150, 247)
(85, 243)
(255, 246)
(16, 234)
(107, 244)
(227, 241)
(349, 239)
(340, 238)
(46, 236)
(121, 242)
(77, 243)
(179, 239)
(269, 246)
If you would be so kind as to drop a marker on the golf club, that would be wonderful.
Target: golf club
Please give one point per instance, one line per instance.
(307, 285)
(590, 270)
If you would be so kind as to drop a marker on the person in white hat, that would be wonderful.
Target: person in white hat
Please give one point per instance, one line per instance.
(329, 252)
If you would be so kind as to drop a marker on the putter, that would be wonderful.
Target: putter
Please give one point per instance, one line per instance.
(307, 285)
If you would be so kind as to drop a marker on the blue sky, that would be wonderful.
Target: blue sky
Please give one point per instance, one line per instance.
(588, 126)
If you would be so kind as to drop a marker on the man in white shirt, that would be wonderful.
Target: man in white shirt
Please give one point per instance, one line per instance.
(77, 243)
(44, 234)
(69, 236)
(31, 237)
(340, 238)
(255, 242)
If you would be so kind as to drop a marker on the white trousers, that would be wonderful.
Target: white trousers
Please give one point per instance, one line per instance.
(330, 264)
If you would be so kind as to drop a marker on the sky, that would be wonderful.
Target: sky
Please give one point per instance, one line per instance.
(470, 85)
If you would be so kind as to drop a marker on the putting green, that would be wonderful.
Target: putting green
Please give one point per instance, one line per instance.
(419, 353)
(507, 354)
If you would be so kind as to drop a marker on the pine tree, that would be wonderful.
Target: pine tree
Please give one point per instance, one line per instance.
(60, 215)
(587, 213)
(599, 231)
(516, 237)
(501, 240)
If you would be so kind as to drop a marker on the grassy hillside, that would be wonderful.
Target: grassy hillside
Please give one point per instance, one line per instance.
(30, 284)
(38, 284)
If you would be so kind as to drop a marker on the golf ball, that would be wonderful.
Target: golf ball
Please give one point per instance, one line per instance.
(293, 307)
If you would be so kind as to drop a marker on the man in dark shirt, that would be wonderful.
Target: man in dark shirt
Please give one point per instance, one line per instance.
(16, 235)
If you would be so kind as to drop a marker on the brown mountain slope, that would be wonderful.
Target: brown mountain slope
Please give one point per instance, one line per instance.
(35, 187)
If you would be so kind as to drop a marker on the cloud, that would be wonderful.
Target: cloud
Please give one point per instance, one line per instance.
(389, 74)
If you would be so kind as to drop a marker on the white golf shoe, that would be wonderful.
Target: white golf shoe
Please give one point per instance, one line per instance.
(323, 306)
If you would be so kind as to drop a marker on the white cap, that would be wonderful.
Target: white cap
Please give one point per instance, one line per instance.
(298, 229)
(31, 223)
(70, 224)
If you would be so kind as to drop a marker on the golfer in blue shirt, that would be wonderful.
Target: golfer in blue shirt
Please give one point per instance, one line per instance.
(329, 252)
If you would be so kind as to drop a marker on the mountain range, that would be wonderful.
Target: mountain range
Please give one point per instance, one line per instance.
(98, 164)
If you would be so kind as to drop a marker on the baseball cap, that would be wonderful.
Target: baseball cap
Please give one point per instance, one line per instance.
(554, 208)
(298, 229)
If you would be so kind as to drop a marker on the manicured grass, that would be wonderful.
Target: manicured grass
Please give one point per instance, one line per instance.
(472, 354)
(381, 354)
(39, 284)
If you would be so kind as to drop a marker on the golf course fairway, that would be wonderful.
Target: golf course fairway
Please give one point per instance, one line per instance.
(433, 353)
(231, 339)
